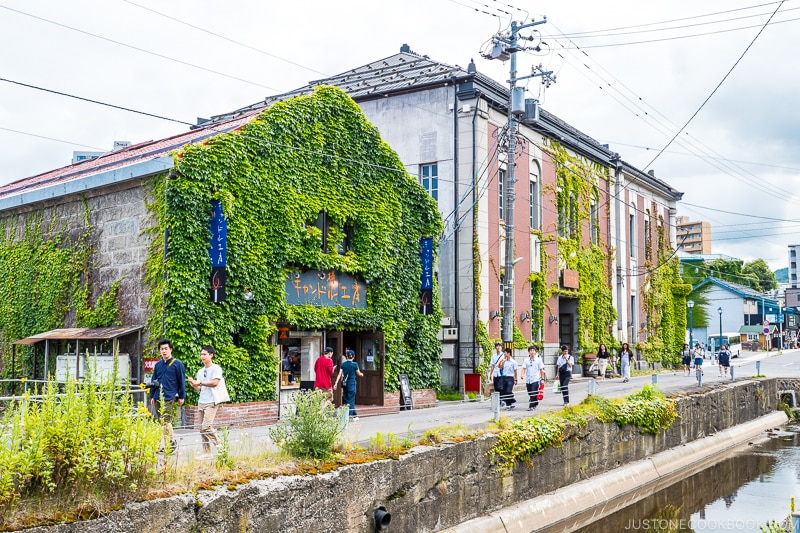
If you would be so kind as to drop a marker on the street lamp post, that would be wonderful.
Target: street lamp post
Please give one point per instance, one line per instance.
(690, 304)
(719, 310)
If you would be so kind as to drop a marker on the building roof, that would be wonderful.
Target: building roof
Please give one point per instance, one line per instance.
(407, 72)
(399, 73)
(757, 329)
(107, 333)
(119, 159)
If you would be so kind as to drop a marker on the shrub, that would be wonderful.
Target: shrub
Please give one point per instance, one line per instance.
(312, 430)
(81, 439)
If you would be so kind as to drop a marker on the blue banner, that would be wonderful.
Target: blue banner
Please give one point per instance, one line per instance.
(218, 248)
(325, 288)
(426, 259)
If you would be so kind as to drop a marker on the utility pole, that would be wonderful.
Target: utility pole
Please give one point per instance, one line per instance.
(506, 47)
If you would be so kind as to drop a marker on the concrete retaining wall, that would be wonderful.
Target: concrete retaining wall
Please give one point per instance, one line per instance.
(433, 488)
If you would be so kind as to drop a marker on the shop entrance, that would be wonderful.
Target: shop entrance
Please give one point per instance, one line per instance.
(300, 350)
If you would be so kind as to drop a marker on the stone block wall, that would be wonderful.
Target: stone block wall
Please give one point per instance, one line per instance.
(432, 488)
(119, 217)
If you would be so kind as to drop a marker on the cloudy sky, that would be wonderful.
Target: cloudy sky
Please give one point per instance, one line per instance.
(629, 76)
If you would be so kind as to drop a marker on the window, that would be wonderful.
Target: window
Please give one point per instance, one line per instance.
(632, 235)
(429, 178)
(593, 225)
(534, 201)
(647, 240)
(501, 193)
(339, 237)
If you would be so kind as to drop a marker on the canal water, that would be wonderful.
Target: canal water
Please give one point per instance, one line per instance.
(742, 492)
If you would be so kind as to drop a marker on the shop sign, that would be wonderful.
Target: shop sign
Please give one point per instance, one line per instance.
(325, 288)
(218, 252)
(150, 364)
(426, 259)
(570, 279)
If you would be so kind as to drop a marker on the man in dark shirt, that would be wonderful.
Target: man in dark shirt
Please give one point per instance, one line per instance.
(323, 369)
(170, 376)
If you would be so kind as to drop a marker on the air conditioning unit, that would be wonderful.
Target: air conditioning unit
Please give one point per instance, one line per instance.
(450, 334)
(446, 322)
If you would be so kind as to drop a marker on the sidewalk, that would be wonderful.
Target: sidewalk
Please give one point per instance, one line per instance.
(478, 414)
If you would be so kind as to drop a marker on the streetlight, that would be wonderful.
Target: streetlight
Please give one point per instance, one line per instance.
(719, 310)
(690, 304)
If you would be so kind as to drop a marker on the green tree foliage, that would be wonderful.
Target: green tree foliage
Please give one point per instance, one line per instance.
(274, 176)
(764, 278)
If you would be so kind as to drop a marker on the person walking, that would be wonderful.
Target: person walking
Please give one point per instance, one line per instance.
(564, 372)
(533, 375)
(348, 372)
(208, 377)
(508, 378)
(602, 360)
(626, 359)
(686, 359)
(494, 370)
(698, 360)
(724, 361)
(323, 370)
(169, 380)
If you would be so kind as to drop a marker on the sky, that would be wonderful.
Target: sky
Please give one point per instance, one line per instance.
(706, 94)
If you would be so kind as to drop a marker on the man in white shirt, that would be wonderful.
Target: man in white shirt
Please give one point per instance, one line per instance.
(533, 374)
(508, 378)
(208, 377)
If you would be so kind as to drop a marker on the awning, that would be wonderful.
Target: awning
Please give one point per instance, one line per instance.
(80, 334)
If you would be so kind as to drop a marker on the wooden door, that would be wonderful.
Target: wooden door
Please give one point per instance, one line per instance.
(371, 358)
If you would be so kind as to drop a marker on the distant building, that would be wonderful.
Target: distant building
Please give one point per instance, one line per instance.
(793, 248)
(693, 237)
(79, 156)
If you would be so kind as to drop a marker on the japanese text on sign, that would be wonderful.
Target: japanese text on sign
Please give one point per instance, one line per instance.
(217, 249)
(325, 288)
(426, 259)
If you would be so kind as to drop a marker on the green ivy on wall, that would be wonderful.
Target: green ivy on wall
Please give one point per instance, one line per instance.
(664, 302)
(47, 276)
(274, 176)
(577, 189)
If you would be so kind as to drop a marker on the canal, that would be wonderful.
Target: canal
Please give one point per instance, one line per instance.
(742, 492)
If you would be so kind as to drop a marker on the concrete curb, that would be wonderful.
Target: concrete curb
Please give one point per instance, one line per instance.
(581, 503)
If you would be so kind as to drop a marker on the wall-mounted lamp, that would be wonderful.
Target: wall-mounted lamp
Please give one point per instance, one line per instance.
(248, 294)
(553, 318)
(524, 317)
(494, 314)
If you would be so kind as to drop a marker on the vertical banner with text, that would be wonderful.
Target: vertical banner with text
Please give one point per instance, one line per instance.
(426, 279)
(218, 251)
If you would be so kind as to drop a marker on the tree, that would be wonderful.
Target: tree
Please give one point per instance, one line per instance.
(763, 276)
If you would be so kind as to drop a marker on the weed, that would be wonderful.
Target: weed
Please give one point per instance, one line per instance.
(312, 430)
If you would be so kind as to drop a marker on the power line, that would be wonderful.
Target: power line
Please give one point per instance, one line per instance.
(752, 42)
(52, 139)
(223, 37)
(139, 49)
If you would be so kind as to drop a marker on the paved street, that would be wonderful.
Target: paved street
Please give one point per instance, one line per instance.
(474, 414)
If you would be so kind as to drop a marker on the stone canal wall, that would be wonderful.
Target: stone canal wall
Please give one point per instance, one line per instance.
(433, 488)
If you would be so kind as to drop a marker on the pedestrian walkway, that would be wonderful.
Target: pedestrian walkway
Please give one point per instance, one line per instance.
(478, 414)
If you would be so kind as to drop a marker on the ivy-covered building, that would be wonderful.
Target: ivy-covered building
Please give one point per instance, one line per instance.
(271, 235)
(594, 235)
